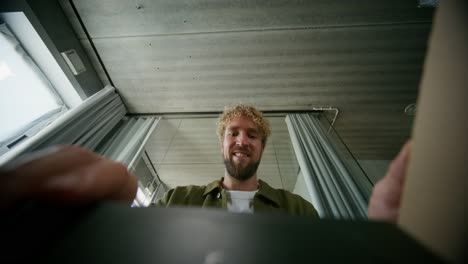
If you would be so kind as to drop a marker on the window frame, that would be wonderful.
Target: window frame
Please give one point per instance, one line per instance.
(27, 30)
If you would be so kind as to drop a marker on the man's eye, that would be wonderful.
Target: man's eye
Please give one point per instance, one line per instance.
(253, 136)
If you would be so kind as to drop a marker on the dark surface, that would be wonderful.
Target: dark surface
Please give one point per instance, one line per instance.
(111, 233)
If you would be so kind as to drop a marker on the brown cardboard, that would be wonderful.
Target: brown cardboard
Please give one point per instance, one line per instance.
(435, 201)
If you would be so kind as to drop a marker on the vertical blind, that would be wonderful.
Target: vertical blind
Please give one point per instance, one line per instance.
(336, 190)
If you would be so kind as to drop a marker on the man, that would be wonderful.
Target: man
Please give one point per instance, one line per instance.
(243, 133)
(70, 174)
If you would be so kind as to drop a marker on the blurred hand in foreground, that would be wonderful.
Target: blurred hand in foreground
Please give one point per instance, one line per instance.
(66, 174)
(384, 204)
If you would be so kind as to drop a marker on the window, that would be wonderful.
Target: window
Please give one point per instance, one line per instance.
(28, 101)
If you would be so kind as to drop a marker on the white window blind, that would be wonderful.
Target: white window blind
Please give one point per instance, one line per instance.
(336, 188)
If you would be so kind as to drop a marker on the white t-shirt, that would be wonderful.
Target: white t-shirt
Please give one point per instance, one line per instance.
(240, 201)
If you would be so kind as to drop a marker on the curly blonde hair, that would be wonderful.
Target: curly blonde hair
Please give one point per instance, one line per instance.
(246, 110)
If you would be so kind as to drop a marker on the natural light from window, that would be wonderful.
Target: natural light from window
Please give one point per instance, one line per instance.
(25, 93)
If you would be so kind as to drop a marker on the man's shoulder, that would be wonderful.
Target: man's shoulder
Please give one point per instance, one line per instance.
(296, 204)
(290, 202)
(280, 194)
(288, 194)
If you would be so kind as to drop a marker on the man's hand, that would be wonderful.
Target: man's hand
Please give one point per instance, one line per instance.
(69, 174)
(384, 204)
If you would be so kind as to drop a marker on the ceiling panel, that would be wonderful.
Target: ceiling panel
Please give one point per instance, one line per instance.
(276, 70)
(121, 18)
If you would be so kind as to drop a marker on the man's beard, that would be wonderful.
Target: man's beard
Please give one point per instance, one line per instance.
(239, 172)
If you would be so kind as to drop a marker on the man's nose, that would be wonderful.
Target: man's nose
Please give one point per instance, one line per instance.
(242, 139)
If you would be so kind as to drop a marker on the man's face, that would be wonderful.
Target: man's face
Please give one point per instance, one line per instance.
(242, 148)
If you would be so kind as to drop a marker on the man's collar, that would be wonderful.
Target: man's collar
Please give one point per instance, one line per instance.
(265, 191)
(216, 185)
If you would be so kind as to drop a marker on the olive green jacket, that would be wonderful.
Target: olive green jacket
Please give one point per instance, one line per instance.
(267, 199)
